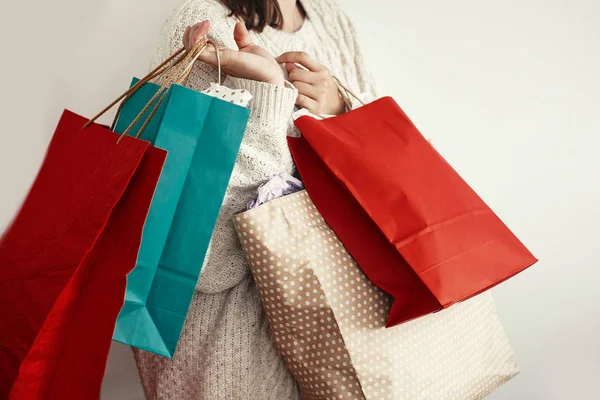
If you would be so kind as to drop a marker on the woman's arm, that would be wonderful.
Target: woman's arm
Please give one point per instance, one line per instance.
(272, 103)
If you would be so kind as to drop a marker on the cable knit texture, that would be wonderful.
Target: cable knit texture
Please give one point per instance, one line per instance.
(225, 351)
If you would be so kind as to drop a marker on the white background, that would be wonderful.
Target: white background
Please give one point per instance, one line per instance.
(508, 90)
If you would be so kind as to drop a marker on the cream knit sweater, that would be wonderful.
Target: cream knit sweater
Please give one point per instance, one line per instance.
(225, 351)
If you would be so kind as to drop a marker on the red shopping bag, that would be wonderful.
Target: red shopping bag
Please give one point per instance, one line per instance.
(412, 223)
(65, 257)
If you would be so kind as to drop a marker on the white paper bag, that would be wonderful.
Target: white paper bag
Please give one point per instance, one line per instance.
(328, 319)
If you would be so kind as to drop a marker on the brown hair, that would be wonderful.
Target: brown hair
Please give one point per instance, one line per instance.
(257, 14)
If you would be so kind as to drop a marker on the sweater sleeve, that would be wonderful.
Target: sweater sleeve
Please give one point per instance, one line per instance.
(271, 105)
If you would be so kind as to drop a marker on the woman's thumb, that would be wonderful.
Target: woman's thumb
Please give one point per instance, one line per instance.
(241, 36)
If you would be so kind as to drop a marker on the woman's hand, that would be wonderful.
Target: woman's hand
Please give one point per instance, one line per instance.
(249, 62)
(317, 90)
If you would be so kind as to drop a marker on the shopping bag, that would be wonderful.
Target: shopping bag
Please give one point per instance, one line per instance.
(379, 183)
(64, 259)
(329, 320)
(202, 135)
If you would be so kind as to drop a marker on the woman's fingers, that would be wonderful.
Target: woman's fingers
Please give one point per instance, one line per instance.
(308, 103)
(194, 33)
(302, 58)
(236, 63)
(199, 31)
(241, 36)
(186, 37)
(307, 89)
(292, 67)
(298, 74)
(317, 89)
(226, 56)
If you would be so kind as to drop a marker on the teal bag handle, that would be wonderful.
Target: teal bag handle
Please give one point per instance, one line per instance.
(159, 70)
(178, 76)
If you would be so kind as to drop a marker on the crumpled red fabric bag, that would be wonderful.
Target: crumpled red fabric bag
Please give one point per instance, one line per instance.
(65, 257)
(415, 227)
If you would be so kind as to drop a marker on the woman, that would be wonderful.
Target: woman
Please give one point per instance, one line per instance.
(225, 351)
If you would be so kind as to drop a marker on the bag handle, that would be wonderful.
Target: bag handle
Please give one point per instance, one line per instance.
(138, 85)
(346, 93)
(193, 54)
(177, 77)
(159, 70)
(157, 73)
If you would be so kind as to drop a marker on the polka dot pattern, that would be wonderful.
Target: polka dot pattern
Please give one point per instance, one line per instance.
(239, 97)
(328, 320)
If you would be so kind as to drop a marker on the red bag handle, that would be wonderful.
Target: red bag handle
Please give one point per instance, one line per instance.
(346, 93)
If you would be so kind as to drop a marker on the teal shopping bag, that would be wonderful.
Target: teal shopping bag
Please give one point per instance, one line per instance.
(202, 136)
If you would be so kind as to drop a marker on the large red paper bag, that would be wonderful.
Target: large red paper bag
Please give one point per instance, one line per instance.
(379, 183)
(64, 259)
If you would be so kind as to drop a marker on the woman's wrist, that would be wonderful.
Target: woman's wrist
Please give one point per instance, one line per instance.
(270, 102)
(276, 76)
(277, 81)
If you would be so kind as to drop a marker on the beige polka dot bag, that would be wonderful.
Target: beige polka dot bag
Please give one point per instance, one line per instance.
(328, 319)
